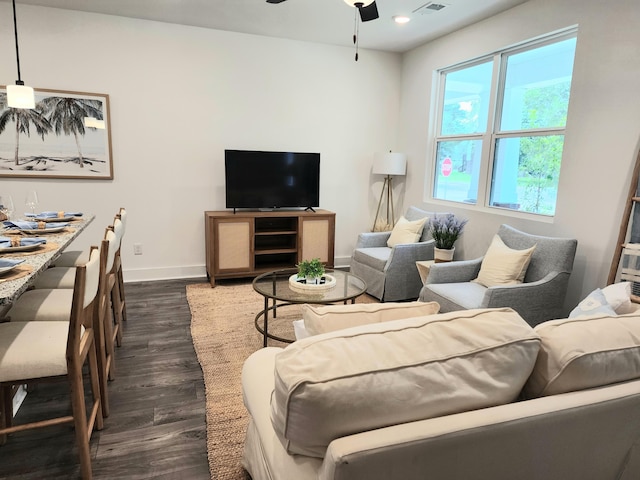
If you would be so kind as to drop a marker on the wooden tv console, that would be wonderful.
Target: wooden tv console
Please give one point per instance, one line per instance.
(247, 243)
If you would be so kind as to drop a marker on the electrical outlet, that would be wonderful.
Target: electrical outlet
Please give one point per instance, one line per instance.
(137, 249)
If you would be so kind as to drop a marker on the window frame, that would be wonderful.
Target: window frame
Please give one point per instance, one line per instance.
(493, 132)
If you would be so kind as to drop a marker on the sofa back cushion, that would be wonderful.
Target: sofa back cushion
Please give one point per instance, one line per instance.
(328, 318)
(585, 352)
(361, 378)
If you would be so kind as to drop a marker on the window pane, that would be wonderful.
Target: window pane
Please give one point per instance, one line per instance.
(466, 100)
(537, 84)
(457, 170)
(526, 172)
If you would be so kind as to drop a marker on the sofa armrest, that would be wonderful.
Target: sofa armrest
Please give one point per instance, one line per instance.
(454, 272)
(372, 239)
(257, 381)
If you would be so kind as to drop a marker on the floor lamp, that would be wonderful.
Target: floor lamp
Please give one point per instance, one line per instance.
(388, 164)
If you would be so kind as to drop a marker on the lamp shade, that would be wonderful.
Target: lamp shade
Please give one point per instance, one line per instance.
(20, 96)
(390, 163)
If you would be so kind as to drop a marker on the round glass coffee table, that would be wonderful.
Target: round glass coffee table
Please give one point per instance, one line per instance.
(275, 286)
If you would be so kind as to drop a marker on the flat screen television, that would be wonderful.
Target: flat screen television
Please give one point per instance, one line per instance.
(268, 180)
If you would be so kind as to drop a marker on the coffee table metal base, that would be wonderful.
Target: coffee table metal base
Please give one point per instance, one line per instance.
(264, 328)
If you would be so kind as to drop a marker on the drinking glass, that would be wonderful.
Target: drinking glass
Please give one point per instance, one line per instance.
(31, 201)
(6, 205)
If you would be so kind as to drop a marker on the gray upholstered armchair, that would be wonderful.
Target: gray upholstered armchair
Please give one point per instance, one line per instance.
(391, 273)
(539, 298)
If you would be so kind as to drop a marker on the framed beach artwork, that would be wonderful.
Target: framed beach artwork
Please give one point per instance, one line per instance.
(66, 135)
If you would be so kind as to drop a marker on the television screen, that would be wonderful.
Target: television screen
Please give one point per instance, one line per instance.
(255, 179)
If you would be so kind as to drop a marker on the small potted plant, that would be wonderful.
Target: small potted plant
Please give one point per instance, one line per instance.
(311, 270)
(445, 230)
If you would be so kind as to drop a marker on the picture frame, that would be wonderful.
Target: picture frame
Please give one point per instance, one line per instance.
(67, 135)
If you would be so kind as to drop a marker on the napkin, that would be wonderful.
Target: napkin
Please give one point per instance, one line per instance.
(5, 242)
(6, 262)
(33, 225)
(52, 214)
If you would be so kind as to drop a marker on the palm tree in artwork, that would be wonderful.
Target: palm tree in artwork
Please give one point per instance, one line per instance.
(67, 116)
(23, 119)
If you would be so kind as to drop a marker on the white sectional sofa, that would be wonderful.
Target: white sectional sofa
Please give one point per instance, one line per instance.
(475, 394)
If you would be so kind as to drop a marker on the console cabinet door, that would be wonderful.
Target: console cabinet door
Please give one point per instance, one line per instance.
(233, 245)
(317, 238)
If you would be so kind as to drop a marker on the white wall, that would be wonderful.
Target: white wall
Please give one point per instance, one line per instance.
(179, 96)
(602, 134)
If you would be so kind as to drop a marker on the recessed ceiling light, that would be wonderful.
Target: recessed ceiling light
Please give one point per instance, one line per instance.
(401, 19)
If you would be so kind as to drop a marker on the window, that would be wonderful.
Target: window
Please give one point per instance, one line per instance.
(501, 122)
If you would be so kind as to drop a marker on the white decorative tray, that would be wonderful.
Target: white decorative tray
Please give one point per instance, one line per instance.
(301, 286)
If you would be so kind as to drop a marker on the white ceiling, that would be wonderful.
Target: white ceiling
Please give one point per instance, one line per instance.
(322, 21)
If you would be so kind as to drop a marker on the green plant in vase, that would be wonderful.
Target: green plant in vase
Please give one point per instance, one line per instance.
(311, 270)
(445, 230)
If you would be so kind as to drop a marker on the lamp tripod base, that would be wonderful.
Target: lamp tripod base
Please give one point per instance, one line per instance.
(385, 224)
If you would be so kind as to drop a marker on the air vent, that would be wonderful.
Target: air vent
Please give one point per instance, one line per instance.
(430, 7)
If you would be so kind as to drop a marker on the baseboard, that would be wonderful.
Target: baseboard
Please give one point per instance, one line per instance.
(191, 271)
(342, 262)
(165, 273)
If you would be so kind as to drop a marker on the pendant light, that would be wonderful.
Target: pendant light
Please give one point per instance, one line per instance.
(19, 95)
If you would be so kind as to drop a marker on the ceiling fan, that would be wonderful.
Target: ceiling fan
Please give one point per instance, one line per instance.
(368, 11)
(367, 8)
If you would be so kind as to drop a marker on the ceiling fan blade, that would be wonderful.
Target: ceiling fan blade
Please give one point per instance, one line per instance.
(275, 1)
(370, 12)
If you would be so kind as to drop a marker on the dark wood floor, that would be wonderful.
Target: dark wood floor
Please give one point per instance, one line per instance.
(157, 424)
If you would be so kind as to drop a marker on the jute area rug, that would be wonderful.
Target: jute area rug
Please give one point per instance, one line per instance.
(224, 335)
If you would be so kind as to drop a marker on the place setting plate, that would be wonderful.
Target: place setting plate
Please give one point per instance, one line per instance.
(38, 231)
(53, 216)
(21, 248)
(8, 265)
(53, 219)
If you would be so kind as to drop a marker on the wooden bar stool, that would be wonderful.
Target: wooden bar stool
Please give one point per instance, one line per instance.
(120, 301)
(33, 352)
(54, 304)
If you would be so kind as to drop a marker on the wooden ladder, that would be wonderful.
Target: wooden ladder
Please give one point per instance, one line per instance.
(626, 259)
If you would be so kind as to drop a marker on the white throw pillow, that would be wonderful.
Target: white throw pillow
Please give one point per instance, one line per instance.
(372, 376)
(618, 295)
(585, 352)
(502, 265)
(328, 318)
(594, 304)
(405, 231)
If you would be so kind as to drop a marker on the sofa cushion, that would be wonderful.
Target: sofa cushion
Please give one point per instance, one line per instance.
(361, 378)
(405, 231)
(374, 257)
(585, 352)
(328, 318)
(502, 265)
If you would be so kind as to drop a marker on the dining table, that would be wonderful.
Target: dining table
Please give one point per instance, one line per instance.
(16, 281)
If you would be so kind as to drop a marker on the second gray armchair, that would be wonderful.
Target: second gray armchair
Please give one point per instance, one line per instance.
(390, 272)
(538, 298)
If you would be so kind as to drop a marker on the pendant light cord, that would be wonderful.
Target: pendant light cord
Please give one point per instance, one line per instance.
(356, 31)
(15, 30)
